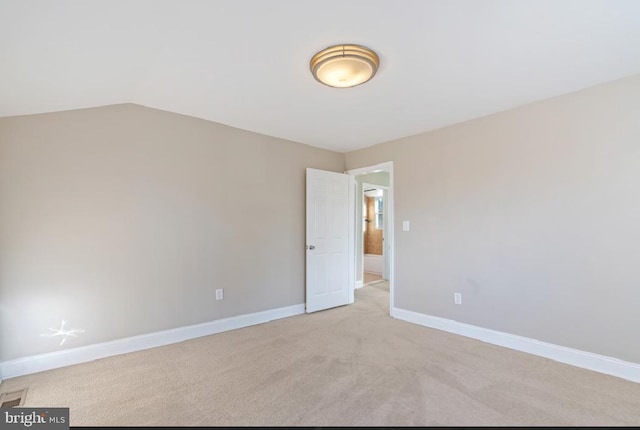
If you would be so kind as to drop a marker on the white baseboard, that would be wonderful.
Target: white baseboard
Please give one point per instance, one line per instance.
(373, 263)
(575, 357)
(68, 357)
(359, 284)
(374, 272)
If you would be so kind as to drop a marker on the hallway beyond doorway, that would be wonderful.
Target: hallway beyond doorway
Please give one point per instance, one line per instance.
(371, 277)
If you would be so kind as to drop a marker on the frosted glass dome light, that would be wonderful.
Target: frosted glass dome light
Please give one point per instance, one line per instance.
(344, 66)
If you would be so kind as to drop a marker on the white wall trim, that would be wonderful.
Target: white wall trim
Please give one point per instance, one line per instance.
(387, 166)
(359, 284)
(575, 357)
(372, 263)
(68, 357)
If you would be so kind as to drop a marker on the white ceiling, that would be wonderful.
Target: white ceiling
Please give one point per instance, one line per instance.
(245, 62)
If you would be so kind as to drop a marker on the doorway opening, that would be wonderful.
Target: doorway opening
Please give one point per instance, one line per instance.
(373, 227)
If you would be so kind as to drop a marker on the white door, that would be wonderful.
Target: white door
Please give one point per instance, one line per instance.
(329, 212)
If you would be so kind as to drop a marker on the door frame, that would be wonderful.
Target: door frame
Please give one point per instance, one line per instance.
(385, 227)
(381, 167)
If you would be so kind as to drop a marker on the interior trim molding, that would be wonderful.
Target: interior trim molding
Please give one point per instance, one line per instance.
(586, 360)
(387, 166)
(359, 284)
(83, 354)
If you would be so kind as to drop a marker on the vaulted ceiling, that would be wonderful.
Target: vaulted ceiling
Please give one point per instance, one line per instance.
(245, 63)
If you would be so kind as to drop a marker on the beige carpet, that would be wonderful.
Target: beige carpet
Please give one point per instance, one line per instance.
(380, 285)
(371, 277)
(352, 365)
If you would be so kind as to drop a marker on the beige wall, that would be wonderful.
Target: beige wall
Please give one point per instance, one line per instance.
(123, 220)
(532, 214)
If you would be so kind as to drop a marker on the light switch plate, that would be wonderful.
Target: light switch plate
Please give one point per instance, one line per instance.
(405, 225)
(457, 298)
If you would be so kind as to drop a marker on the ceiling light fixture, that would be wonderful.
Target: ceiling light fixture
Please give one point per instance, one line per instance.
(344, 66)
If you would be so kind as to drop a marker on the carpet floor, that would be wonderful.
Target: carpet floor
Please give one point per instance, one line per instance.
(369, 277)
(349, 366)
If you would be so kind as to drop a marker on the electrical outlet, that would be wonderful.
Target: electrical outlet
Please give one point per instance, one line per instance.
(457, 298)
(219, 294)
